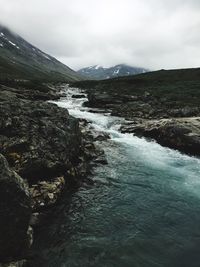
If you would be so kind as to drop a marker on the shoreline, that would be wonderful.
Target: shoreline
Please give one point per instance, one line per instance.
(147, 119)
(44, 180)
(44, 151)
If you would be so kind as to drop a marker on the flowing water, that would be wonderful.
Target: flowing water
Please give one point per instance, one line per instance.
(143, 211)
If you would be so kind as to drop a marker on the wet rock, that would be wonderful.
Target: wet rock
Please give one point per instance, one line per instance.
(101, 159)
(78, 96)
(182, 134)
(45, 194)
(100, 136)
(15, 213)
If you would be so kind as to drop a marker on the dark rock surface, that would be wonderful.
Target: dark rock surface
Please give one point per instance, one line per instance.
(15, 212)
(22, 263)
(78, 96)
(144, 106)
(47, 150)
(40, 140)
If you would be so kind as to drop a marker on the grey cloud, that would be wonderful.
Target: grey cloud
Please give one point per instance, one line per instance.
(149, 33)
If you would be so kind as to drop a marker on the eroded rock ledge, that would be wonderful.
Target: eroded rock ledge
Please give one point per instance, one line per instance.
(182, 134)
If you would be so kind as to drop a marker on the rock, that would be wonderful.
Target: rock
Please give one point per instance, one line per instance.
(126, 100)
(40, 140)
(182, 134)
(100, 136)
(102, 100)
(35, 219)
(45, 92)
(45, 194)
(78, 96)
(101, 160)
(15, 213)
(46, 149)
(21, 263)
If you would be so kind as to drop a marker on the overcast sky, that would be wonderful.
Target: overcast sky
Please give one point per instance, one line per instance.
(149, 33)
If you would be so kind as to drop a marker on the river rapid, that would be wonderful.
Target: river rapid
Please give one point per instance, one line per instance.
(142, 211)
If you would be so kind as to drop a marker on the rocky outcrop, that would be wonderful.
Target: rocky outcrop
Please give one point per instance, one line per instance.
(46, 193)
(40, 140)
(144, 105)
(182, 134)
(47, 150)
(30, 91)
(15, 212)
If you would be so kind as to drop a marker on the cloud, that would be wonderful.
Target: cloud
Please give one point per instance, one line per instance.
(149, 33)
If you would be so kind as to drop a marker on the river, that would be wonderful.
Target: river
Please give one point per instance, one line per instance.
(143, 211)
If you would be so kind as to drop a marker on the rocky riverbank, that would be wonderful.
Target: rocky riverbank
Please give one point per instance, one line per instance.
(175, 127)
(43, 151)
(182, 134)
(165, 107)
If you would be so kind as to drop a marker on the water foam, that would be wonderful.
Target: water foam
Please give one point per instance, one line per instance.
(148, 152)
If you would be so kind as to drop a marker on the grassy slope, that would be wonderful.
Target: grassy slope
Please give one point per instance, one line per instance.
(180, 87)
(21, 60)
(21, 70)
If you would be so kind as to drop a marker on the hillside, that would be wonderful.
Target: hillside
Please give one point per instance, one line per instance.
(162, 105)
(99, 73)
(173, 87)
(21, 60)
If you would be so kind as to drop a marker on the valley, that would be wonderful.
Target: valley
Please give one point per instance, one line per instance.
(96, 172)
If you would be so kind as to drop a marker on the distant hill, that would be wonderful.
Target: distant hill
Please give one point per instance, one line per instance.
(177, 88)
(21, 60)
(100, 73)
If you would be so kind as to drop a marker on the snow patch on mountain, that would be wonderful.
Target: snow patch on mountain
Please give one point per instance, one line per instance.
(97, 67)
(99, 72)
(116, 71)
(29, 61)
(13, 44)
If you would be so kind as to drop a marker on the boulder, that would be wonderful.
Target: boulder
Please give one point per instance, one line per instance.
(45, 194)
(182, 134)
(39, 140)
(78, 96)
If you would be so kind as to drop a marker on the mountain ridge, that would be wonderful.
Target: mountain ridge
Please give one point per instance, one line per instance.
(21, 60)
(98, 72)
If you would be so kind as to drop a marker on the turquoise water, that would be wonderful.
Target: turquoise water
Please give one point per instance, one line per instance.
(143, 211)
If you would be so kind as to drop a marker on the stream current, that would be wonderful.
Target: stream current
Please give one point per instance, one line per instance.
(143, 211)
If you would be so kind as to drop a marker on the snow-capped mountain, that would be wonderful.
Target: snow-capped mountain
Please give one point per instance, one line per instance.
(21, 60)
(98, 72)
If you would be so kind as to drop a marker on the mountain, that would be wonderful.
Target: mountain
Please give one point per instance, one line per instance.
(100, 73)
(21, 60)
